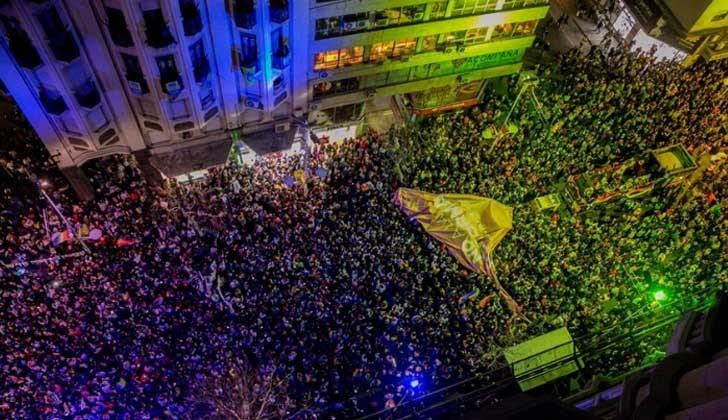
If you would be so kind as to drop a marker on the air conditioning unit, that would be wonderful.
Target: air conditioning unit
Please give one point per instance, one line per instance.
(362, 24)
(461, 49)
(382, 22)
(349, 26)
(282, 127)
(369, 93)
(253, 102)
(449, 50)
(419, 16)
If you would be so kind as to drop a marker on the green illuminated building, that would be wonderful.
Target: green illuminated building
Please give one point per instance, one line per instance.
(433, 55)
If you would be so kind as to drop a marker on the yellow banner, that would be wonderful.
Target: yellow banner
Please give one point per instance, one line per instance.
(470, 226)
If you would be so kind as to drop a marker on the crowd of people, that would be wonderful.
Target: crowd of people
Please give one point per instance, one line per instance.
(324, 280)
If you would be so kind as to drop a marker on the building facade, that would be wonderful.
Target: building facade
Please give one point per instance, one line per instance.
(175, 82)
(699, 28)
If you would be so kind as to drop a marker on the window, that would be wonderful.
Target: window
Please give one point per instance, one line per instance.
(469, 7)
(355, 22)
(525, 28)
(438, 10)
(20, 45)
(343, 114)
(404, 47)
(52, 101)
(51, 22)
(280, 49)
(278, 11)
(135, 77)
(412, 14)
(327, 27)
(244, 13)
(191, 19)
(502, 31)
(327, 60)
(429, 43)
(326, 88)
(248, 51)
(60, 39)
(452, 38)
(381, 50)
(168, 74)
(475, 35)
(200, 65)
(118, 30)
(157, 32)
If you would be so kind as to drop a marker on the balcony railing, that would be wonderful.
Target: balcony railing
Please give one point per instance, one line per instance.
(63, 46)
(171, 84)
(137, 83)
(279, 11)
(201, 70)
(244, 14)
(191, 19)
(53, 103)
(88, 96)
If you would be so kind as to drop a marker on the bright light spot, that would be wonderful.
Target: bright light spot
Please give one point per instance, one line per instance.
(414, 383)
(660, 295)
(44, 183)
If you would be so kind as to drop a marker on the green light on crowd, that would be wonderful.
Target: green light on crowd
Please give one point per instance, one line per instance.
(660, 295)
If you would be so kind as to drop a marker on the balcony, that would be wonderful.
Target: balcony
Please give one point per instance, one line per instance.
(157, 32)
(278, 11)
(171, 84)
(24, 52)
(88, 96)
(191, 18)
(201, 70)
(53, 102)
(63, 46)
(244, 14)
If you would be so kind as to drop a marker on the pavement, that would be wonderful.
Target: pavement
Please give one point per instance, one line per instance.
(576, 33)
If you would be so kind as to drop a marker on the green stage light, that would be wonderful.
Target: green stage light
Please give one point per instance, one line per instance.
(660, 295)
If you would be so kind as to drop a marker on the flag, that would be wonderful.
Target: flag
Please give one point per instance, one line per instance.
(484, 302)
(60, 237)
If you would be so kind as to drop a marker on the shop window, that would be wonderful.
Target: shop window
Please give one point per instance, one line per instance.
(134, 76)
(20, 44)
(168, 75)
(502, 31)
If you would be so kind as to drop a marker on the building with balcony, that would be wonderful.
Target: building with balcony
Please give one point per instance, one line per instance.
(176, 82)
(699, 28)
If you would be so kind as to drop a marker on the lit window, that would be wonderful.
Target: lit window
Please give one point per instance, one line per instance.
(404, 47)
(475, 35)
(438, 10)
(429, 43)
(381, 50)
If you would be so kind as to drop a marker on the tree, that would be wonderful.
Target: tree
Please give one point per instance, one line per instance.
(243, 393)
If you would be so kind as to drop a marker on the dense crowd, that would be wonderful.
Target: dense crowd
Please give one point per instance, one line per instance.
(325, 281)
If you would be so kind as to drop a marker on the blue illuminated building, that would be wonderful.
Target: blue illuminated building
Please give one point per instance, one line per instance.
(175, 82)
